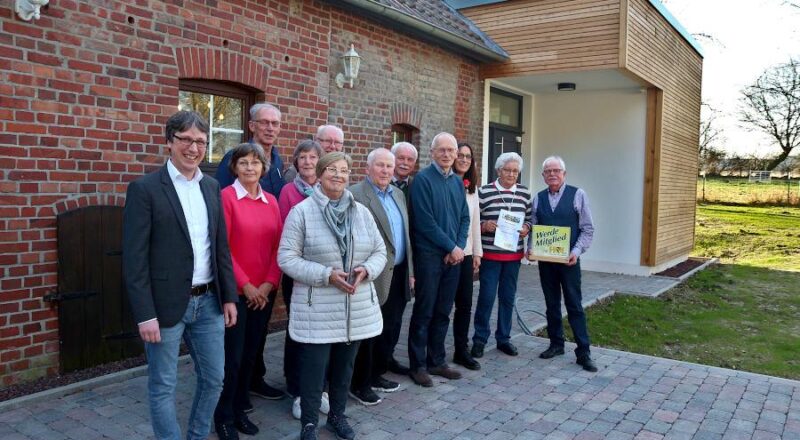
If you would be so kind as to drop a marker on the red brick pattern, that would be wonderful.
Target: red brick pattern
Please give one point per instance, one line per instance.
(85, 91)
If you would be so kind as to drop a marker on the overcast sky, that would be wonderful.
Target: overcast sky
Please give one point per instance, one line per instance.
(748, 36)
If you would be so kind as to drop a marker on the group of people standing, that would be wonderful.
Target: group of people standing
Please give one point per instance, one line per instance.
(203, 260)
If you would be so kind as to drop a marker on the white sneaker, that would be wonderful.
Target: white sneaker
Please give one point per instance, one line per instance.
(324, 404)
(296, 411)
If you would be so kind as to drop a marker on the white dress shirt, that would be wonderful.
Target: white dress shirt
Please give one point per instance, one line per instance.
(196, 214)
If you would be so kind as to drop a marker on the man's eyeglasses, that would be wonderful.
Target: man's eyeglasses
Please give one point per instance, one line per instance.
(267, 122)
(336, 172)
(187, 142)
(553, 171)
(331, 141)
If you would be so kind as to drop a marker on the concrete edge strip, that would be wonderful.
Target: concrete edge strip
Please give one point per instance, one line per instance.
(95, 382)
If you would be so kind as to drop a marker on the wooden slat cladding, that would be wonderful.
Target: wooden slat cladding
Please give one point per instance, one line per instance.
(550, 35)
(656, 52)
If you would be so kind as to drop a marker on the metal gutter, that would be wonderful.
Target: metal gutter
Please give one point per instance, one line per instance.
(425, 29)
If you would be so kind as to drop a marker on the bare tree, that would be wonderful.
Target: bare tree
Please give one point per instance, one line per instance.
(772, 105)
(711, 155)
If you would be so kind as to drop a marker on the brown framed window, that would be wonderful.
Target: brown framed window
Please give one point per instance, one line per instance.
(226, 108)
(402, 133)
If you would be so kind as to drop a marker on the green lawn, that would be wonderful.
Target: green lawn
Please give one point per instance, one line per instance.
(742, 314)
(766, 237)
(738, 190)
(731, 316)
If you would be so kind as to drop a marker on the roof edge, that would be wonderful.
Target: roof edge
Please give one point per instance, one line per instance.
(481, 53)
(463, 4)
(677, 26)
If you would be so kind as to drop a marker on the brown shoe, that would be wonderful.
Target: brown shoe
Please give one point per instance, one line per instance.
(445, 371)
(421, 378)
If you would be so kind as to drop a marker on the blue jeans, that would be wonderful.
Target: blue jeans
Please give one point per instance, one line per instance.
(498, 278)
(436, 284)
(203, 329)
(557, 279)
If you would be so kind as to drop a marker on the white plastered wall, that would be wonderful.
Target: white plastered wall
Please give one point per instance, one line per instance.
(601, 137)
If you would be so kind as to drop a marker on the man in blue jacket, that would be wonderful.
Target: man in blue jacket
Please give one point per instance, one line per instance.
(265, 126)
(440, 223)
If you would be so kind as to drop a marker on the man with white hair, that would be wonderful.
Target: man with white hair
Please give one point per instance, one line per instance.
(329, 137)
(440, 223)
(567, 206)
(388, 207)
(405, 155)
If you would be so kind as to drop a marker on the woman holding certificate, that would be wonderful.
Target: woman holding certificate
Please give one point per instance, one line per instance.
(505, 208)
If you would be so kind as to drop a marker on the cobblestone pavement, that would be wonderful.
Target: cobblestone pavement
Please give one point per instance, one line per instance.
(524, 397)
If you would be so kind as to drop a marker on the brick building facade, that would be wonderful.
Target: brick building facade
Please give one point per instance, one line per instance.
(86, 88)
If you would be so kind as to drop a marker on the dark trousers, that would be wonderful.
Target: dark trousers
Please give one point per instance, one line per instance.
(260, 369)
(291, 350)
(435, 288)
(364, 365)
(241, 347)
(463, 310)
(556, 279)
(392, 312)
(315, 359)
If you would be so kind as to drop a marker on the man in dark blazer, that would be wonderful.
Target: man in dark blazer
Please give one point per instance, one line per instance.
(388, 207)
(179, 276)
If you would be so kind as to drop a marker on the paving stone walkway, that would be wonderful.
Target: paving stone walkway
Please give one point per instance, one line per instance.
(524, 397)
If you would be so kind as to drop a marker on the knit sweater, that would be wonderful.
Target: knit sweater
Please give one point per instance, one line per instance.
(254, 232)
(492, 201)
(290, 196)
(439, 212)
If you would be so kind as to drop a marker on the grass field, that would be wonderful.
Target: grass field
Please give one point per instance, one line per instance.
(737, 190)
(766, 237)
(731, 316)
(742, 314)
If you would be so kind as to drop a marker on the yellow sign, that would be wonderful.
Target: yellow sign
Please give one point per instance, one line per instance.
(550, 243)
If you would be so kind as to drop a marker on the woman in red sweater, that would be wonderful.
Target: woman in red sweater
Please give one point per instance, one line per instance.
(305, 158)
(254, 227)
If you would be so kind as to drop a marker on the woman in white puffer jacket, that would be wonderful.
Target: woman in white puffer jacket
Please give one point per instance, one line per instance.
(333, 250)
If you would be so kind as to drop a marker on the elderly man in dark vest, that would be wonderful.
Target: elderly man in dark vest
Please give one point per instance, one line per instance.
(567, 206)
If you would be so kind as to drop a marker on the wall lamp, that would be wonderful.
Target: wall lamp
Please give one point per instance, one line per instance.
(351, 62)
(566, 87)
(29, 9)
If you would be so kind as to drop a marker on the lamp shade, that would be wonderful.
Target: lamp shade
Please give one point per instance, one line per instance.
(351, 62)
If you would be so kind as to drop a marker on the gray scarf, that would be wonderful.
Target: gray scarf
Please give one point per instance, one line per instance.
(339, 217)
(302, 186)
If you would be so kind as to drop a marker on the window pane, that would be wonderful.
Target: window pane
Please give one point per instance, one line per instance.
(221, 143)
(198, 102)
(227, 126)
(227, 112)
(504, 109)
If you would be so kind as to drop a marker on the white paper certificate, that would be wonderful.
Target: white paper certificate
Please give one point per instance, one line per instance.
(509, 224)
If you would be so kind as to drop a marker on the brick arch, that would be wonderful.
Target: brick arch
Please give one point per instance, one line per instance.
(84, 200)
(216, 64)
(407, 114)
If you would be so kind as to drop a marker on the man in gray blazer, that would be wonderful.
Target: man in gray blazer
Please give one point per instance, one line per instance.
(388, 206)
(179, 276)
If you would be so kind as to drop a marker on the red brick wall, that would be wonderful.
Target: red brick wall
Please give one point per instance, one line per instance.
(85, 91)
